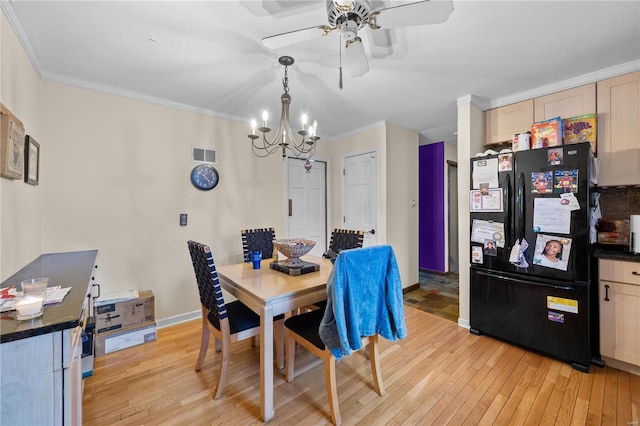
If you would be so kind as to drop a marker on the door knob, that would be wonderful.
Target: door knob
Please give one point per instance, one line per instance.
(373, 231)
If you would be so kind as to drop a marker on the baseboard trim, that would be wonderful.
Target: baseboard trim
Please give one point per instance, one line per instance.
(178, 319)
(410, 288)
(464, 323)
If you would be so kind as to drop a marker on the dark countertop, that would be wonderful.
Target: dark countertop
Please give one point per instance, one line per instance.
(73, 269)
(615, 253)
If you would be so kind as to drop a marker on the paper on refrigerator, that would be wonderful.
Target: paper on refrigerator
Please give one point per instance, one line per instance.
(487, 230)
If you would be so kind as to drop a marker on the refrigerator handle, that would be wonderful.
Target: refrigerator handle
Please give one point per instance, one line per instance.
(508, 214)
(520, 206)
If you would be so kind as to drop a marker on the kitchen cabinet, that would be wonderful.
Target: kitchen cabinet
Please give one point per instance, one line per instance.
(565, 104)
(619, 295)
(501, 123)
(618, 125)
(40, 359)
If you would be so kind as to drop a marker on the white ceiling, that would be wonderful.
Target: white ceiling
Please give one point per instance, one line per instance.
(207, 56)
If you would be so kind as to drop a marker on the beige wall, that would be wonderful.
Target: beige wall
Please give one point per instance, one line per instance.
(115, 177)
(402, 199)
(20, 203)
(470, 141)
(119, 172)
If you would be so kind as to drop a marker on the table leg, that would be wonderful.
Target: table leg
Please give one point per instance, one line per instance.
(266, 361)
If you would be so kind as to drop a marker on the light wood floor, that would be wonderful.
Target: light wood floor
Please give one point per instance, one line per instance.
(440, 374)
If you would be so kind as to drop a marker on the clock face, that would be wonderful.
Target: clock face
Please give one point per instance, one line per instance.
(204, 177)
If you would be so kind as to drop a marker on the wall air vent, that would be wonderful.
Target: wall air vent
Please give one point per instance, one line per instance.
(203, 155)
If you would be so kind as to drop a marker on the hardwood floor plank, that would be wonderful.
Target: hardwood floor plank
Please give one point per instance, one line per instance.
(610, 402)
(439, 375)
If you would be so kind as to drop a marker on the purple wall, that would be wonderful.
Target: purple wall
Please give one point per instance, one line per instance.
(431, 220)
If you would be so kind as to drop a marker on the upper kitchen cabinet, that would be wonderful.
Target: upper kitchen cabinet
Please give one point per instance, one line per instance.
(619, 130)
(501, 123)
(568, 103)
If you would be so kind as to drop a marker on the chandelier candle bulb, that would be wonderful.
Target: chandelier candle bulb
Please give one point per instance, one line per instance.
(265, 117)
(304, 121)
(253, 127)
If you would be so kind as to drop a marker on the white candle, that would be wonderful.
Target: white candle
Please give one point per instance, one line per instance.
(253, 126)
(29, 305)
(304, 121)
(265, 117)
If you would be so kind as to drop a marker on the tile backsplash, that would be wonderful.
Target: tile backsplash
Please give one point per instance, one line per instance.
(619, 203)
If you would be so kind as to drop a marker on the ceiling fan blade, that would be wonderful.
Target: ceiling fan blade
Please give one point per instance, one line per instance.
(356, 58)
(293, 37)
(419, 13)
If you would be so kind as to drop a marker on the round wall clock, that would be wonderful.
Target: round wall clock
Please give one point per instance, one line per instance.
(204, 177)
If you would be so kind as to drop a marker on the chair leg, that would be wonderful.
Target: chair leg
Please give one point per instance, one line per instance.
(332, 388)
(224, 363)
(374, 358)
(218, 345)
(278, 331)
(290, 353)
(204, 345)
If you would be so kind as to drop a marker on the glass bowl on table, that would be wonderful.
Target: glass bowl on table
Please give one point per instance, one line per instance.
(293, 249)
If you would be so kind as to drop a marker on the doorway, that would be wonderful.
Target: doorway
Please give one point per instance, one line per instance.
(307, 202)
(360, 195)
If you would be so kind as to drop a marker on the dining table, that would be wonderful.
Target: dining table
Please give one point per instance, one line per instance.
(269, 292)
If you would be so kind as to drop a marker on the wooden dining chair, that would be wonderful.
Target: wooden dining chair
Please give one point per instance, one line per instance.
(259, 239)
(365, 300)
(228, 322)
(341, 239)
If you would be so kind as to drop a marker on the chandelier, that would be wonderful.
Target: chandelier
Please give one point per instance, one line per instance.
(285, 139)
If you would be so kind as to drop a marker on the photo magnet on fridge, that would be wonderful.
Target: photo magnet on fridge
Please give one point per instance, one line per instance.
(541, 182)
(566, 181)
(552, 251)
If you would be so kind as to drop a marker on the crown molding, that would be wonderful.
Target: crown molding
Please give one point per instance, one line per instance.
(565, 84)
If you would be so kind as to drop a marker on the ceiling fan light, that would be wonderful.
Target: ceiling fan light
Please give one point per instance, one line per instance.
(356, 58)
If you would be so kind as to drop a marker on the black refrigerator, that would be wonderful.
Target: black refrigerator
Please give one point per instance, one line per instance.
(531, 268)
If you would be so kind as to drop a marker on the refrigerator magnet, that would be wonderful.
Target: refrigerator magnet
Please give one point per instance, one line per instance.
(476, 254)
(541, 182)
(555, 317)
(552, 252)
(566, 181)
(554, 157)
(490, 248)
(505, 162)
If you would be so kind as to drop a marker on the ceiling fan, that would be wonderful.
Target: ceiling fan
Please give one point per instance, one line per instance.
(349, 16)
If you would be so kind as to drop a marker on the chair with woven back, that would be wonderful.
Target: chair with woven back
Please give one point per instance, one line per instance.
(259, 239)
(228, 322)
(341, 239)
(364, 302)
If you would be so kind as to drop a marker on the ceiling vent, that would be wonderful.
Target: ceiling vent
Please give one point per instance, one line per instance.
(203, 155)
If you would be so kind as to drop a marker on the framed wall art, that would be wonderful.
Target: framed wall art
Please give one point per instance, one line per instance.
(11, 145)
(31, 161)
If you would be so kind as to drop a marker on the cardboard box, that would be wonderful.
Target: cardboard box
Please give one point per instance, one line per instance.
(112, 341)
(547, 133)
(116, 316)
(581, 129)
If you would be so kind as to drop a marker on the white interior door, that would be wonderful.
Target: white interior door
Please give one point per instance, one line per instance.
(360, 195)
(307, 203)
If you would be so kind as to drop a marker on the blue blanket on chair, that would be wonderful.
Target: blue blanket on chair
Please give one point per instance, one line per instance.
(364, 297)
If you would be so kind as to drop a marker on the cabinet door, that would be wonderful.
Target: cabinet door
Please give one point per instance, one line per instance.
(607, 319)
(567, 103)
(501, 123)
(618, 126)
(627, 319)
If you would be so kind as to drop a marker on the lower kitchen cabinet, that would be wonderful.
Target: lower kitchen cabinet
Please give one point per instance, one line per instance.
(619, 293)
